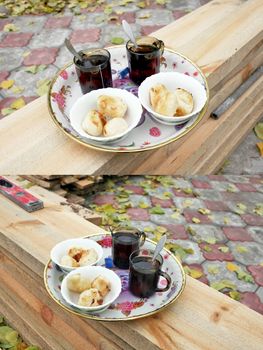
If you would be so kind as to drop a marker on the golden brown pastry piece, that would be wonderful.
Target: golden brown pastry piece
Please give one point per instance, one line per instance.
(88, 257)
(67, 260)
(113, 107)
(101, 284)
(93, 123)
(185, 102)
(165, 102)
(115, 126)
(78, 284)
(90, 297)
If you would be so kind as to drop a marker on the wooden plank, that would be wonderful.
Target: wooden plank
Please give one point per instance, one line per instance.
(223, 38)
(190, 323)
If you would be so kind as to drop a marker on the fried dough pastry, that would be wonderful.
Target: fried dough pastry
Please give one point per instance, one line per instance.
(177, 103)
(93, 123)
(78, 284)
(67, 260)
(185, 102)
(101, 284)
(88, 257)
(113, 107)
(115, 126)
(90, 297)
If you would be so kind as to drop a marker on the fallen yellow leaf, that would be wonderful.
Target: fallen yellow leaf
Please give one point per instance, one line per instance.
(260, 147)
(7, 84)
(19, 103)
(231, 267)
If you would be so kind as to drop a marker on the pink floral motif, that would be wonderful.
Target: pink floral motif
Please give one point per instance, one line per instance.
(64, 74)
(126, 307)
(146, 143)
(166, 256)
(186, 73)
(60, 97)
(174, 65)
(195, 74)
(106, 242)
(156, 132)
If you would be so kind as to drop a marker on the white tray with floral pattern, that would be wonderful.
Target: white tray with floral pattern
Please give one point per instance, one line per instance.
(126, 306)
(149, 134)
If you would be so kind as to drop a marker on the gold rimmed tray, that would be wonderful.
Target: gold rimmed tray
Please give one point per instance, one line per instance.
(149, 134)
(126, 307)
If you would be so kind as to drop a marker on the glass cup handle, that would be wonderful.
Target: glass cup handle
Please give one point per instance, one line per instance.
(142, 237)
(161, 46)
(168, 279)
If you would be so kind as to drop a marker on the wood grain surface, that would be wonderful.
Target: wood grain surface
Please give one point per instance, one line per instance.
(201, 319)
(224, 37)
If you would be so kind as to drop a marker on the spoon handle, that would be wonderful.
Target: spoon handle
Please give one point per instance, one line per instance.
(72, 50)
(159, 247)
(128, 31)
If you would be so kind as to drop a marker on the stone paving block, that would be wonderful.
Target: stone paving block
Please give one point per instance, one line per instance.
(237, 178)
(257, 273)
(28, 80)
(253, 220)
(102, 199)
(213, 252)
(206, 232)
(259, 187)
(147, 30)
(252, 300)
(3, 75)
(201, 184)
(58, 22)
(190, 215)
(5, 102)
(33, 24)
(235, 207)
(138, 214)
(135, 189)
(136, 199)
(209, 194)
(198, 267)
(191, 203)
(182, 193)
(141, 225)
(247, 253)
(216, 205)
(225, 274)
(179, 13)
(166, 218)
(245, 187)
(253, 197)
(257, 234)
(164, 203)
(223, 186)
(158, 17)
(11, 58)
(226, 219)
(176, 231)
(189, 5)
(63, 57)
(4, 21)
(111, 31)
(259, 292)
(82, 36)
(49, 38)
(15, 40)
(256, 180)
(180, 182)
(196, 257)
(91, 20)
(237, 234)
(41, 56)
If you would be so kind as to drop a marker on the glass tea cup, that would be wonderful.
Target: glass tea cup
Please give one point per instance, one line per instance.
(124, 242)
(145, 273)
(94, 71)
(145, 58)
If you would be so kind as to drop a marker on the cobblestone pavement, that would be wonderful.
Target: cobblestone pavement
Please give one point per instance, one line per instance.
(34, 52)
(214, 224)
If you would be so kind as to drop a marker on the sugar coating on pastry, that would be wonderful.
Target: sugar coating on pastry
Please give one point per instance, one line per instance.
(115, 126)
(88, 257)
(110, 106)
(93, 123)
(162, 100)
(185, 102)
(90, 297)
(102, 285)
(77, 283)
(67, 260)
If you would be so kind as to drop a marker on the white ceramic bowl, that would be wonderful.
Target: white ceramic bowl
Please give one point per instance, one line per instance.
(62, 248)
(89, 101)
(172, 81)
(91, 272)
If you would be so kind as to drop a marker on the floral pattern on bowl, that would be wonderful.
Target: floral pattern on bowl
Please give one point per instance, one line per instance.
(126, 306)
(65, 90)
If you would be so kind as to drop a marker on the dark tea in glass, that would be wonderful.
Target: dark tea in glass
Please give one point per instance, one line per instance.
(144, 59)
(94, 71)
(124, 242)
(145, 274)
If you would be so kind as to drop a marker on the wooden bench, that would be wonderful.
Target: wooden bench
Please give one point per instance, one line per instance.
(201, 318)
(224, 38)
